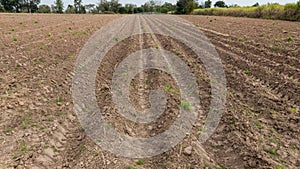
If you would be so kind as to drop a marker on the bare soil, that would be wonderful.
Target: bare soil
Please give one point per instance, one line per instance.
(39, 129)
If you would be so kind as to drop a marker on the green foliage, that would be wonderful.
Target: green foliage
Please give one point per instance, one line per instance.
(44, 9)
(19, 6)
(79, 8)
(207, 4)
(70, 9)
(59, 6)
(109, 7)
(185, 6)
(220, 4)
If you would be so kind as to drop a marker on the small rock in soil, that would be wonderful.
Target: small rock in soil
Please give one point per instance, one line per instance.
(188, 150)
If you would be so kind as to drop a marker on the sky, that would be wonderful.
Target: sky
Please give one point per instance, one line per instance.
(140, 2)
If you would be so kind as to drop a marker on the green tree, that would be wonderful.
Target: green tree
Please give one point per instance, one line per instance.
(122, 10)
(1, 8)
(11, 5)
(167, 7)
(185, 6)
(78, 6)
(70, 9)
(115, 6)
(138, 10)
(59, 6)
(129, 8)
(31, 5)
(220, 4)
(90, 8)
(207, 4)
(256, 4)
(44, 9)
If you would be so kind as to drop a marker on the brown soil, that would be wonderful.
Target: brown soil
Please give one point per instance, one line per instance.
(260, 128)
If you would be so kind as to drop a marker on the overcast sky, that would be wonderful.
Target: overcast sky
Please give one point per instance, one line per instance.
(139, 2)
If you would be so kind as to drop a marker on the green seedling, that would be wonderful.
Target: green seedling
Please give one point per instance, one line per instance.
(272, 152)
(41, 47)
(36, 22)
(259, 125)
(200, 130)
(290, 38)
(140, 162)
(59, 113)
(116, 39)
(280, 167)
(14, 39)
(82, 148)
(21, 23)
(54, 149)
(124, 74)
(23, 147)
(156, 46)
(13, 29)
(70, 28)
(49, 34)
(58, 100)
(169, 88)
(273, 140)
(231, 122)
(186, 105)
(9, 130)
(247, 71)
(25, 119)
(147, 81)
(74, 33)
(293, 110)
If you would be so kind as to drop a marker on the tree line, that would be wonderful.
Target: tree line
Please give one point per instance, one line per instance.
(105, 7)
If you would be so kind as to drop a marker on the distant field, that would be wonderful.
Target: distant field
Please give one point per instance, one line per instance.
(289, 12)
